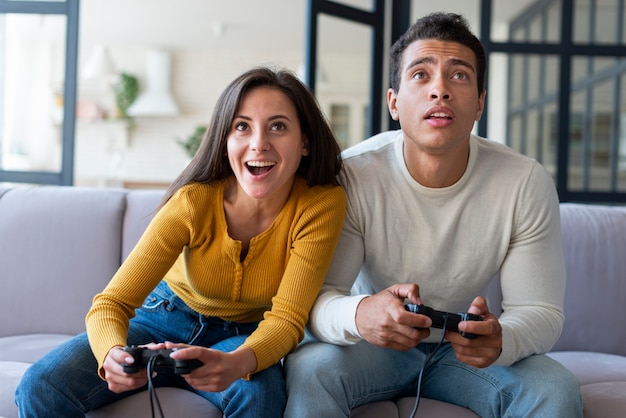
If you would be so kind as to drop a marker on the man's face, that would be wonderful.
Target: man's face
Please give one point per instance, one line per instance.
(438, 101)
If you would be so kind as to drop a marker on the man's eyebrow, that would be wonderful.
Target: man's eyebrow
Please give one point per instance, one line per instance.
(422, 60)
(432, 60)
(463, 63)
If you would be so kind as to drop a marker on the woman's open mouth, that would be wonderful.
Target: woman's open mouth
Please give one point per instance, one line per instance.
(257, 168)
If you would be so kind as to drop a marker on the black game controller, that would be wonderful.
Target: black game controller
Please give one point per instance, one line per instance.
(439, 318)
(162, 361)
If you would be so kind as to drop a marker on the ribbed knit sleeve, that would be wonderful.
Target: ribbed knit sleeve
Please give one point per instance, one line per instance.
(161, 244)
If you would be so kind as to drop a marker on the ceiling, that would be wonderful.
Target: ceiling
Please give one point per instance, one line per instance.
(238, 25)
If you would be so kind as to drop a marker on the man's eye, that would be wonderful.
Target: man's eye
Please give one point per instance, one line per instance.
(419, 75)
(459, 76)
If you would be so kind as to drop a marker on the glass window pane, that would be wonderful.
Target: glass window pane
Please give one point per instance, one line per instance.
(536, 32)
(532, 131)
(367, 5)
(577, 127)
(514, 139)
(467, 8)
(622, 29)
(621, 152)
(597, 21)
(516, 76)
(348, 59)
(606, 17)
(532, 78)
(580, 70)
(599, 139)
(582, 25)
(32, 67)
(340, 122)
(523, 90)
(595, 126)
(498, 96)
(526, 21)
(535, 77)
(549, 141)
(553, 14)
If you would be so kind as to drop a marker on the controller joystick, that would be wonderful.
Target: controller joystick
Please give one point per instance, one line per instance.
(439, 318)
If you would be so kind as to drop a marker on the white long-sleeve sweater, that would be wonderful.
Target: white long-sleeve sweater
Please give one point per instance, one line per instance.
(502, 215)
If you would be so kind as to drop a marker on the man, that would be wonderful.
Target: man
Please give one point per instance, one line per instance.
(434, 213)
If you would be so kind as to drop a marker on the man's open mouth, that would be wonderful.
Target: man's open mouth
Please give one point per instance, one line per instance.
(439, 115)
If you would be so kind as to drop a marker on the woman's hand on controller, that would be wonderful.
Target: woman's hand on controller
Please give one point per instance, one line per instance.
(116, 378)
(219, 369)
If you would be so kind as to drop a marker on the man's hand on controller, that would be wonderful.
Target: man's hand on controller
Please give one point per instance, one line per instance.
(219, 369)
(119, 381)
(486, 348)
(382, 320)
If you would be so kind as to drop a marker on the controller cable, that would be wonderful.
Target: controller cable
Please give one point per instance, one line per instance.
(152, 389)
(430, 356)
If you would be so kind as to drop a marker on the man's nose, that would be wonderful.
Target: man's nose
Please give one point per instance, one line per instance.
(440, 89)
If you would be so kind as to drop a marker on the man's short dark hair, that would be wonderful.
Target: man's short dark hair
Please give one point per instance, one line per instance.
(442, 27)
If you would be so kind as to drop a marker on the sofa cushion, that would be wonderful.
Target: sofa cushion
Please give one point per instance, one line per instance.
(29, 347)
(591, 367)
(404, 406)
(67, 241)
(594, 238)
(175, 403)
(10, 375)
(431, 408)
(382, 409)
(604, 400)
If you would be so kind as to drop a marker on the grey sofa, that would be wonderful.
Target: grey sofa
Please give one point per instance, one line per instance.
(59, 246)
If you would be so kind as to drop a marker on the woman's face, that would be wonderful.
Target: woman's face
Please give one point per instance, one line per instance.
(265, 143)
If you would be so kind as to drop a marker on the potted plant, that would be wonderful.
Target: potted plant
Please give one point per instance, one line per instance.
(192, 142)
(126, 91)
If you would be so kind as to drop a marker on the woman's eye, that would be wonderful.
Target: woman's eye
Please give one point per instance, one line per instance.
(241, 126)
(278, 126)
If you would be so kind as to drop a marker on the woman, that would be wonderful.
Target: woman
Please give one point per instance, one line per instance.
(228, 269)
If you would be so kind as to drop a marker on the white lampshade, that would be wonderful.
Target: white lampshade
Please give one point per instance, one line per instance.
(99, 65)
(156, 100)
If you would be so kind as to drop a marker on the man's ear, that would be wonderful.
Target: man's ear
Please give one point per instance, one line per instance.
(391, 103)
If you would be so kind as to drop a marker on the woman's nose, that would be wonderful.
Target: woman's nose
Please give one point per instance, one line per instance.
(259, 142)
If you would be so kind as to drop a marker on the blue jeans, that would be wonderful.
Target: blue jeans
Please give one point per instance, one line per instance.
(325, 380)
(65, 382)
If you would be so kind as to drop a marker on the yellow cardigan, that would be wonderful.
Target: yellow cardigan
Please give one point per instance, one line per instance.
(187, 244)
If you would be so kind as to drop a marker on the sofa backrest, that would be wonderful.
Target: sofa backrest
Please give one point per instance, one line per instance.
(141, 206)
(59, 246)
(594, 245)
(594, 248)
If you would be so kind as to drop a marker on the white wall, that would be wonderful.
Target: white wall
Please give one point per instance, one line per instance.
(152, 154)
